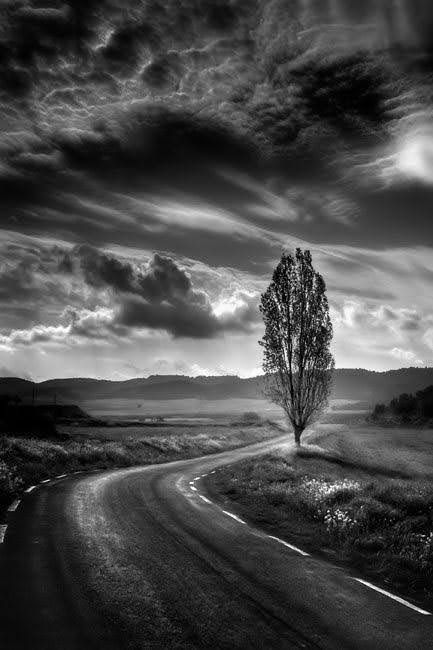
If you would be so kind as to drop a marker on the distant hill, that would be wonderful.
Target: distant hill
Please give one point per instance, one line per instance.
(358, 384)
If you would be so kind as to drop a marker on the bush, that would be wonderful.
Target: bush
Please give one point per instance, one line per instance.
(9, 483)
(378, 410)
(404, 405)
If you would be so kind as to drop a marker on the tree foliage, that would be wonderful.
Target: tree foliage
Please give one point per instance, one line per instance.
(408, 407)
(296, 343)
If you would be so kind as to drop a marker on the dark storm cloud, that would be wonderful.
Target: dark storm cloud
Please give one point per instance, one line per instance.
(110, 99)
(163, 71)
(158, 295)
(178, 319)
(147, 135)
(161, 279)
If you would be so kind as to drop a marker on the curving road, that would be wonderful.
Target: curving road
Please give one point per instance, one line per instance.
(141, 558)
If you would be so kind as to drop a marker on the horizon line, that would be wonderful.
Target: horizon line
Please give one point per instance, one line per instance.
(144, 377)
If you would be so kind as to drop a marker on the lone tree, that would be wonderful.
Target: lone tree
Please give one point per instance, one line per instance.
(298, 331)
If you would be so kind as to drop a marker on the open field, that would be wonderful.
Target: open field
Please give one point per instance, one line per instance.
(361, 496)
(405, 451)
(177, 408)
(202, 409)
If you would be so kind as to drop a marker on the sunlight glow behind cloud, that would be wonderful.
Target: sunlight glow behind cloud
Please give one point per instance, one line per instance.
(415, 157)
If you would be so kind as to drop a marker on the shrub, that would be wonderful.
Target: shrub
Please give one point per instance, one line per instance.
(403, 405)
(378, 411)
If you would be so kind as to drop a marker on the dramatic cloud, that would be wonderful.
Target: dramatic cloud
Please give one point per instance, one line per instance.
(217, 133)
(123, 299)
(160, 295)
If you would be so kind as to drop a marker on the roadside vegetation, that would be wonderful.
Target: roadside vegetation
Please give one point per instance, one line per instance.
(26, 460)
(362, 499)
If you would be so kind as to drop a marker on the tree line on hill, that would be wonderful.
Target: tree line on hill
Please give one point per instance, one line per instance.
(356, 384)
(416, 408)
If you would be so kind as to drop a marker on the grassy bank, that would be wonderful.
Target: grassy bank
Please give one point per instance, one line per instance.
(365, 501)
(25, 461)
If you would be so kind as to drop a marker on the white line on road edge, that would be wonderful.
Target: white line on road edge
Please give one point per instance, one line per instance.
(14, 505)
(3, 530)
(30, 489)
(397, 598)
(205, 499)
(61, 476)
(292, 548)
(230, 514)
(47, 480)
(194, 488)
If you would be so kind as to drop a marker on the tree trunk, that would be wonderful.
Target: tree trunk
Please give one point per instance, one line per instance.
(298, 432)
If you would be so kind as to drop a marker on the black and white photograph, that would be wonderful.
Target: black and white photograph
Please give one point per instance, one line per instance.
(216, 324)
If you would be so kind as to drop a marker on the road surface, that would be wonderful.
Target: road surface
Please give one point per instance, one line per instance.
(141, 558)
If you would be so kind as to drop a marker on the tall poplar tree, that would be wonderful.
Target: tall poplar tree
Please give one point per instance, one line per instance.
(296, 344)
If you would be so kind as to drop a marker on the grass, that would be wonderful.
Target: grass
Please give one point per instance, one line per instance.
(364, 500)
(26, 461)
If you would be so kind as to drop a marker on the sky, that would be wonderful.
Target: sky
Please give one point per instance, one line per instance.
(157, 157)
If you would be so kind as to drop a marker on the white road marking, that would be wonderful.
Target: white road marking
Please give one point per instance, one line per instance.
(230, 514)
(193, 488)
(47, 480)
(292, 548)
(213, 471)
(3, 530)
(61, 476)
(30, 489)
(191, 482)
(205, 499)
(397, 598)
(14, 505)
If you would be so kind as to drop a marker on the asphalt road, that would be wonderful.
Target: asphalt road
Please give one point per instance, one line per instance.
(140, 558)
